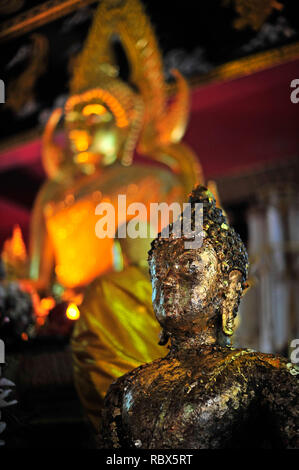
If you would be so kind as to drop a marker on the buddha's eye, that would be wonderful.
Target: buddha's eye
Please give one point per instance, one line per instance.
(185, 267)
(72, 116)
(193, 266)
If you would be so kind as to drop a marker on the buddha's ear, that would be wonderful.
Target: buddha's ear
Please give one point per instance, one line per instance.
(231, 302)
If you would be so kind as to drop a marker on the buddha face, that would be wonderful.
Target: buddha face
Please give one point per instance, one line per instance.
(186, 284)
(95, 134)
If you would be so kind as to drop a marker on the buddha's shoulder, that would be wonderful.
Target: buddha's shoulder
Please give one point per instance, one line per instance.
(130, 377)
(262, 361)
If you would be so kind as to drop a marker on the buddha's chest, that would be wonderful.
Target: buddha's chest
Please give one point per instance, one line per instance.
(184, 413)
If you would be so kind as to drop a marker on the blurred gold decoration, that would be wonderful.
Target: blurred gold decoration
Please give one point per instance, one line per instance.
(253, 13)
(37, 16)
(14, 255)
(21, 90)
(250, 65)
(15, 260)
(41, 306)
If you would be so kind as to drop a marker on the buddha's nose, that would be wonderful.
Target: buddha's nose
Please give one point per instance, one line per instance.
(81, 139)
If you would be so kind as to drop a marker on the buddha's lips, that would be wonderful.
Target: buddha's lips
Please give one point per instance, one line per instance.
(83, 158)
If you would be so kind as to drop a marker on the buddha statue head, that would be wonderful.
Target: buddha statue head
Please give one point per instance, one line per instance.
(107, 118)
(196, 292)
(103, 124)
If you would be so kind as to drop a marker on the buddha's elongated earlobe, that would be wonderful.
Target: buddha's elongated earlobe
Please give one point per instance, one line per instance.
(231, 302)
(52, 155)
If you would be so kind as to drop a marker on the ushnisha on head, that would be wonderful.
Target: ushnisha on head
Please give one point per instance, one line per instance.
(197, 291)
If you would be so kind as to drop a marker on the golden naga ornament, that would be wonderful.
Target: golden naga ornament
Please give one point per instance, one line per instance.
(253, 13)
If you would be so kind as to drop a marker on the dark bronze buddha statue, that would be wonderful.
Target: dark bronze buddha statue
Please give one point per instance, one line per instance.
(204, 393)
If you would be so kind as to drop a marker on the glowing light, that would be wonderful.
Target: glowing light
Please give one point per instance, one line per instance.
(98, 109)
(72, 312)
(24, 336)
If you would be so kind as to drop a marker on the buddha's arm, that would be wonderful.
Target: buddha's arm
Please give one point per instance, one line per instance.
(281, 397)
(41, 252)
(110, 430)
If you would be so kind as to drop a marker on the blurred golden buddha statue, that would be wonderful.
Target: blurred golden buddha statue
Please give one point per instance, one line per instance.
(105, 121)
